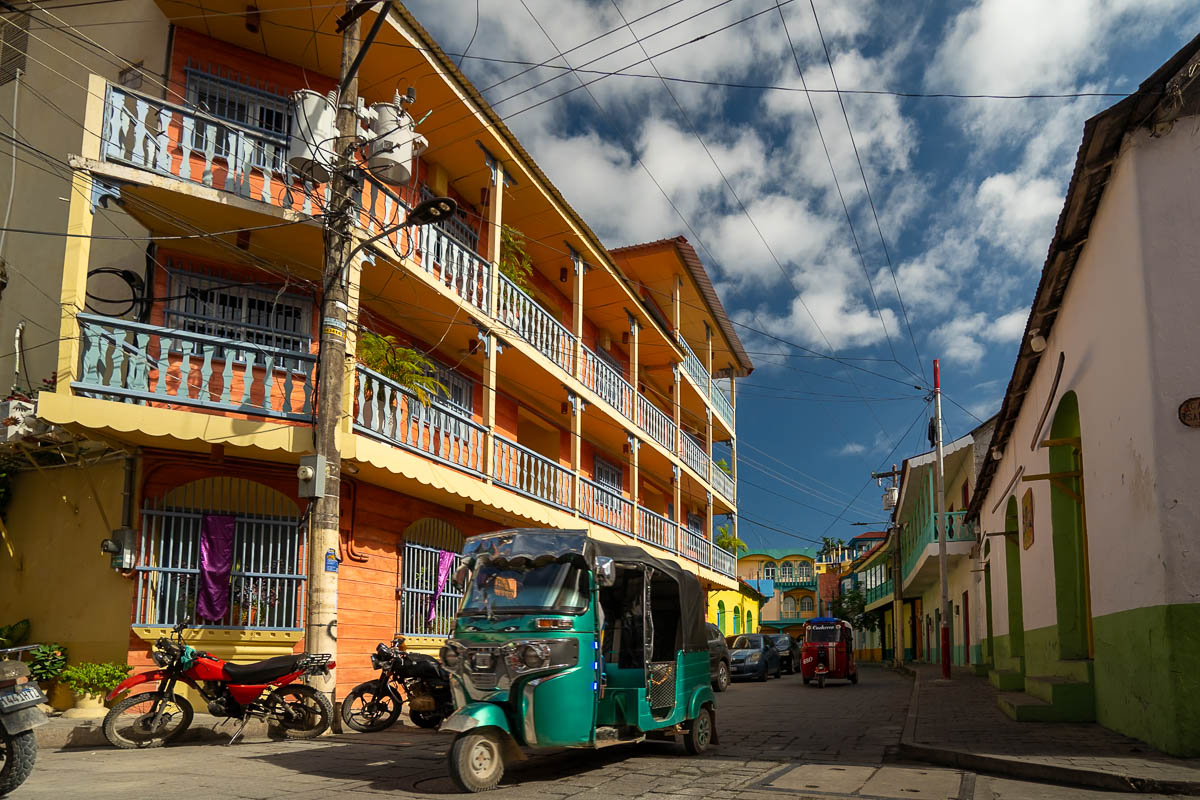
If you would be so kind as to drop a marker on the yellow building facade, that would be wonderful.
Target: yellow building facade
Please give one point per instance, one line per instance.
(736, 611)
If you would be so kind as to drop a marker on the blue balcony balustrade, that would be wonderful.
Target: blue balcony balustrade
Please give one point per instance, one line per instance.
(455, 264)
(723, 483)
(385, 410)
(879, 591)
(652, 420)
(693, 367)
(605, 506)
(151, 365)
(531, 474)
(657, 530)
(603, 379)
(723, 405)
(535, 325)
(914, 546)
(694, 456)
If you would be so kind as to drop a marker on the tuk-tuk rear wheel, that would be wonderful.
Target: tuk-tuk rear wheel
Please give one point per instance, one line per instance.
(820, 681)
(477, 761)
(699, 735)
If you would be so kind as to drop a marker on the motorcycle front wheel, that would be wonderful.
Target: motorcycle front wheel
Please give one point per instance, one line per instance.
(132, 724)
(17, 754)
(299, 711)
(370, 707)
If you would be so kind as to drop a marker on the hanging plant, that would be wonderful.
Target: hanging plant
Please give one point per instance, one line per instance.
(406, 366)
(515, 263)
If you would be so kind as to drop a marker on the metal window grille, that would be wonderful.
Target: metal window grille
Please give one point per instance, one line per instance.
(769, 571)
(420, 571)
(696, 523)
(804, 571)
(459, 226)
(14, 42)
(789, 607)
(266, 582)
(460, 390)
(806, 604)
(610, 476)
(788, 571)
(262, 111)
(260, 316)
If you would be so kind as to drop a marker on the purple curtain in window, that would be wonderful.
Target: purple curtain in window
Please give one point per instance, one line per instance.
(216, 562)
(445, 562)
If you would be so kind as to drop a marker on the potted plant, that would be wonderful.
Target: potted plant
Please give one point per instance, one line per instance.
(407, 366)
(90, 682)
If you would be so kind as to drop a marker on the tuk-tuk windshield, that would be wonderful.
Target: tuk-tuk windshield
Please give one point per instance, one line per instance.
(823, 633)
(557, 588)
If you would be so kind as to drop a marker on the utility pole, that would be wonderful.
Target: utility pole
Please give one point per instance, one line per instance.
(321, 632)
(897, 574)
(940, 522)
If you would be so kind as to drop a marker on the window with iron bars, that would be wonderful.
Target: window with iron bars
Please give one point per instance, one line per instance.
(264, 317)
(459, 226)
(266, 580)
(265, 113)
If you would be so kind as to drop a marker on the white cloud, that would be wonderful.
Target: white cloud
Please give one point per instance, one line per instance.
(1017, 214)
(852, 449)
(963, 340)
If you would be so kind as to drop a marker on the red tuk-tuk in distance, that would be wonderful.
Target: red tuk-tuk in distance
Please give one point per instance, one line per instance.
(828, 651)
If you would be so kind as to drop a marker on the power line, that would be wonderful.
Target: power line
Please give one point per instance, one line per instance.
(871, 200)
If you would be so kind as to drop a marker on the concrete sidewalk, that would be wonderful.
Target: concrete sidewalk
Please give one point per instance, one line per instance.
(957, 723)
(61, 733)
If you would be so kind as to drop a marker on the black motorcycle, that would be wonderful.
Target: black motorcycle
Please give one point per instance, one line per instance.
(414, 678)
(19, 715)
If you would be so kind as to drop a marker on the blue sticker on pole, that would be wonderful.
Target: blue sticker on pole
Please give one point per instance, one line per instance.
(331, 561)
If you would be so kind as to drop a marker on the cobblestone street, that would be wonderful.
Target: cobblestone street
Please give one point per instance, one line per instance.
(778, 739)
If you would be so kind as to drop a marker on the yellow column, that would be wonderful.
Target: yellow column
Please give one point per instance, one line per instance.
(78, 250)
(577, 311)
(576, 406)
(634, 443)
(495, 230)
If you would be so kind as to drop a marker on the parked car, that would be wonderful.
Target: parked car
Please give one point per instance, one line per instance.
(789, 651)
(753, 655)
(718, 658)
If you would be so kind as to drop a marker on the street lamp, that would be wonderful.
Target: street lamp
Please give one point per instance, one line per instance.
(435, 209)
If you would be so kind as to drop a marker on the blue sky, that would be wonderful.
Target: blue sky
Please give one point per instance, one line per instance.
(966, 192)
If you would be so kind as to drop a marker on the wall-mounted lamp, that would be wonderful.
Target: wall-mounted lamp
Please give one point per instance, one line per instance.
(1037, 342)
(562, 275)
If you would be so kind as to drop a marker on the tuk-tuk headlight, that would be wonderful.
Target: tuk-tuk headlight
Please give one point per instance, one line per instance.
(535, 656)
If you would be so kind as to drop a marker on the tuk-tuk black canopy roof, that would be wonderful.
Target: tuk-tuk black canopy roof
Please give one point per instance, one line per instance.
(542, 545)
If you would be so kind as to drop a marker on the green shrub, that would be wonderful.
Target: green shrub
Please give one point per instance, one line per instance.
(47, 662)
(95, 679)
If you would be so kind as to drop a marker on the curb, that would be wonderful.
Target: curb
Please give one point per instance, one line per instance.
(62, 734)
(1027, 770)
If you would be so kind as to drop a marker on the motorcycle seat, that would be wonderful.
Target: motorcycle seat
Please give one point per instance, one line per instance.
(263, 671)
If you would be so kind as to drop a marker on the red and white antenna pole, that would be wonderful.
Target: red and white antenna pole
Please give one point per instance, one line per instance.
(940, 522)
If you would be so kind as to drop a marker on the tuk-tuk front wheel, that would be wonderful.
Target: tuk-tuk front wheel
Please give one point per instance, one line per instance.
(699, 735)
(821, 681)
(477, 761)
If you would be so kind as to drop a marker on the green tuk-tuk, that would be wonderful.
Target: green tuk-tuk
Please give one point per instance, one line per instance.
(566, 641)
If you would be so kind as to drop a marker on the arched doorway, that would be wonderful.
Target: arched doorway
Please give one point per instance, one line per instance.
(749, 621)
(737, 620)
(1012, 577)
(721, 617)
(1071, 589)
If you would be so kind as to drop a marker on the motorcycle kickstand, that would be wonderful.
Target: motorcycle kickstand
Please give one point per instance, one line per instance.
(238, 733)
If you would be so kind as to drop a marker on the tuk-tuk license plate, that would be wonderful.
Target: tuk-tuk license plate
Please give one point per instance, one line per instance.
(24, 698)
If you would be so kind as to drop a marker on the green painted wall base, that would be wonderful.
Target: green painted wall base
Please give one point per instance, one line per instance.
(1007, 680)
(981, 670)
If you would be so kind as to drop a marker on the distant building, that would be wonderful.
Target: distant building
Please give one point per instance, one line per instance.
(736, 611)
(787, 579)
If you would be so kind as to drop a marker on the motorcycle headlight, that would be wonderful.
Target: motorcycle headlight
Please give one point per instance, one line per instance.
(161, 658)
(754, 658)
(450, 657)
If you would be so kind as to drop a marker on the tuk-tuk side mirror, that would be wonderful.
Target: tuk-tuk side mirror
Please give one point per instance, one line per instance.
(460, 577)
(606, 571)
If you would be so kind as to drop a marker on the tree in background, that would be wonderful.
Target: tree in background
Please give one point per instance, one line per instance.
(851, 606)
(829, 547)
(727, 540)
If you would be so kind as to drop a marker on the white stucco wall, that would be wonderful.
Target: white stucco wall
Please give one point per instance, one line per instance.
(1135, 278)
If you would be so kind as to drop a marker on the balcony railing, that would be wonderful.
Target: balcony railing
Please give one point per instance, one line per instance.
(534, 324)
(695, 546)
(605, 506)
(657, 529)
(604, 380)
(914, 547)
(723, 561)
(694, 368)
(694, 456)
(722, 482)
(879, 591)
(386, 410)
(787, 584)
(151, 365)
(531, 474)
(655, 422)
(144, 132)
(459, 267)
(722, 404)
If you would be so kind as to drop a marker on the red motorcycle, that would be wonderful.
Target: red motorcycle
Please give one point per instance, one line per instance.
(265, 690)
